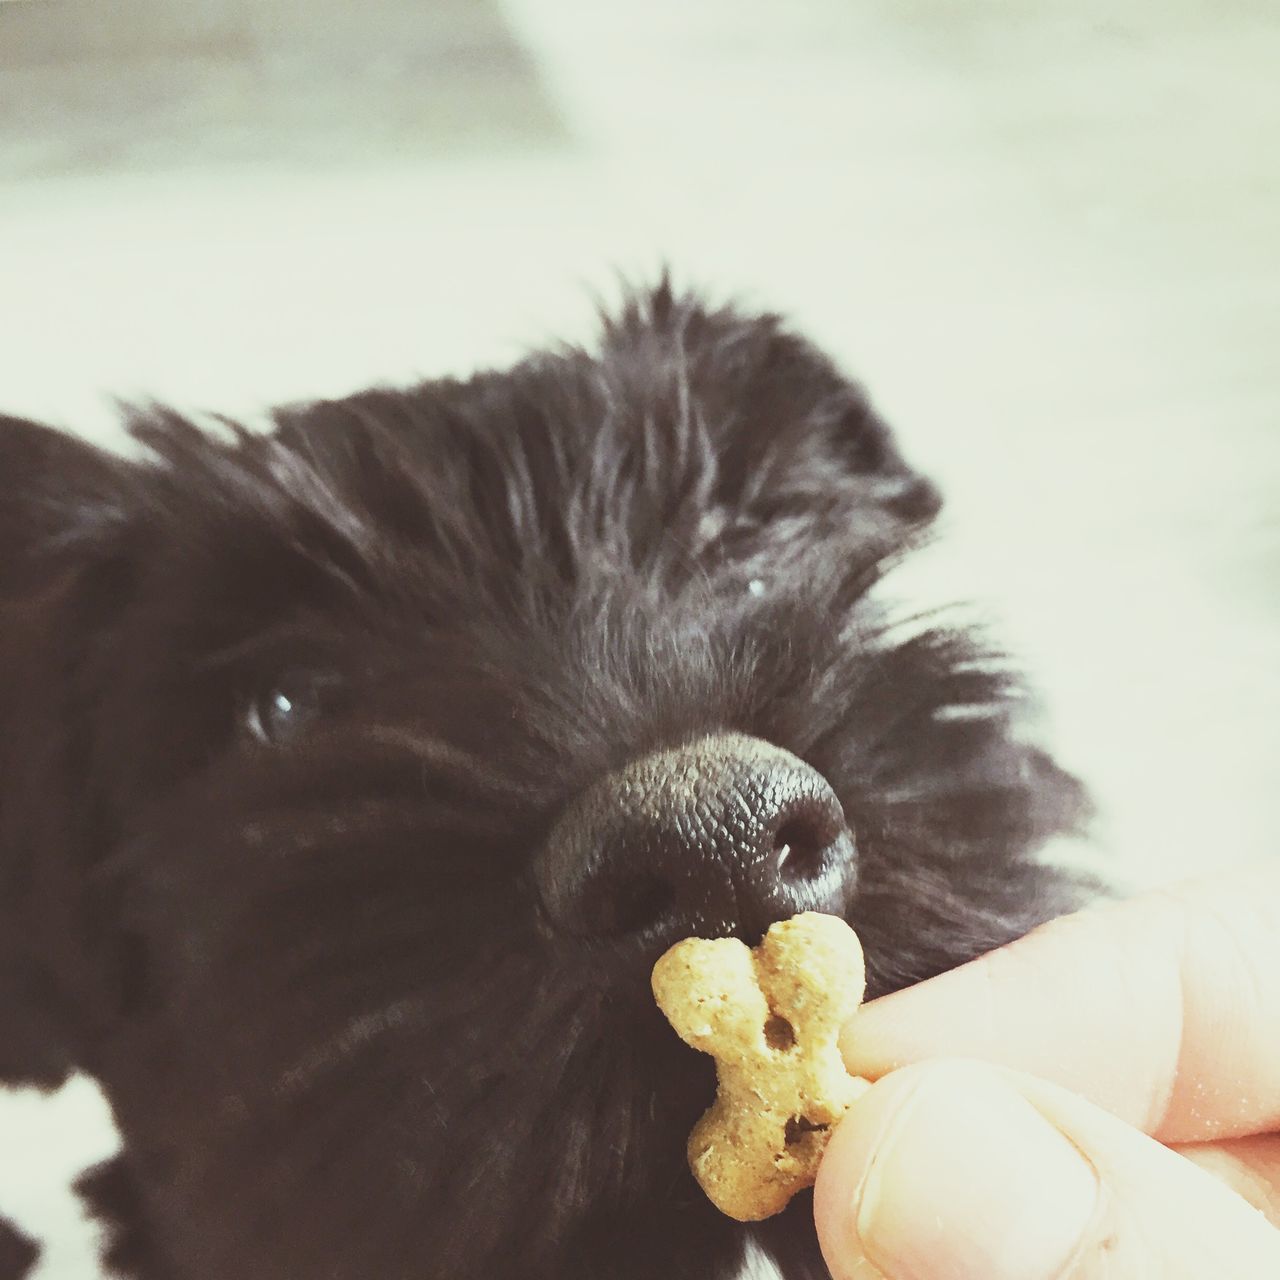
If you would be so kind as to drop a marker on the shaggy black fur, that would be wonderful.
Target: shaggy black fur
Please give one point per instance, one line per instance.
(284, 718)
(17, 1253)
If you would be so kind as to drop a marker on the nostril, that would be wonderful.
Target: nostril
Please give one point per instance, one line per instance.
(800, 846)
(637, 902)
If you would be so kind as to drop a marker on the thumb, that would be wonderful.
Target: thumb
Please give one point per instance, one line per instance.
(972, 1172)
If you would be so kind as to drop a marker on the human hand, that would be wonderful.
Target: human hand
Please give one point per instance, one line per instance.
(1124, 1056)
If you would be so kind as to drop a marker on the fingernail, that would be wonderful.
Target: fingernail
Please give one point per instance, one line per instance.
(971, 1182)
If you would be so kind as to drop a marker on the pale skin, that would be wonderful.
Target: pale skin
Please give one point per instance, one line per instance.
(1098, 1101)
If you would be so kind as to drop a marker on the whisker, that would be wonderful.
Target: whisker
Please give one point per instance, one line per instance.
(356, 1034)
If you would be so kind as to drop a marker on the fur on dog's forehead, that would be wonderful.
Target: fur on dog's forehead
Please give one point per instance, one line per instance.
(690, 440)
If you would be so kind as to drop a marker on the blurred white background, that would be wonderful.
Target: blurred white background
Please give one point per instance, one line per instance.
(1047, 237)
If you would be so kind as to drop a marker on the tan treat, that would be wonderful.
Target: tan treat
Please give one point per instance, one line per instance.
(770, 1018)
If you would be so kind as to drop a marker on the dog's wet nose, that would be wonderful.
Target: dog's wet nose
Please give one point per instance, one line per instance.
(722, 836)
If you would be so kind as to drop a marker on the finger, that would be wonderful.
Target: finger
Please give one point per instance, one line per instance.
(1165, 1009)
(975, 1173)
(1249, 1166)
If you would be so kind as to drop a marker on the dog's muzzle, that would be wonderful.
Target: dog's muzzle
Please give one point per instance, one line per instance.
(720, 837)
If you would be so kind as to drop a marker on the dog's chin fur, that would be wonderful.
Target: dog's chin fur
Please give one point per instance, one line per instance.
(304, 959)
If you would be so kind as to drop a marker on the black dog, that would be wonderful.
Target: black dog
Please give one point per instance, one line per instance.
(321, 841)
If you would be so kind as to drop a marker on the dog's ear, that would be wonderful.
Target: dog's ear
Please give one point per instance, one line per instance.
(787, 420)
(63, 509)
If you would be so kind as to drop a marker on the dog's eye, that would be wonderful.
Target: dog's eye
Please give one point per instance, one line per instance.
(292, 703)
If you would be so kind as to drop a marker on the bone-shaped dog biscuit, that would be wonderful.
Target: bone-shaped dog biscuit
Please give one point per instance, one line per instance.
(770, 1018)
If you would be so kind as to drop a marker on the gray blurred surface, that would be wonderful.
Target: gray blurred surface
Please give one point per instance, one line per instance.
(194, 84)
(1047, 237)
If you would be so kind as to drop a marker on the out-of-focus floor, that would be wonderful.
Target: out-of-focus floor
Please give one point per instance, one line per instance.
(1047, 237)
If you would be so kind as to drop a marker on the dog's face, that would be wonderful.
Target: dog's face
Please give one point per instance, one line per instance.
(320, 836)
